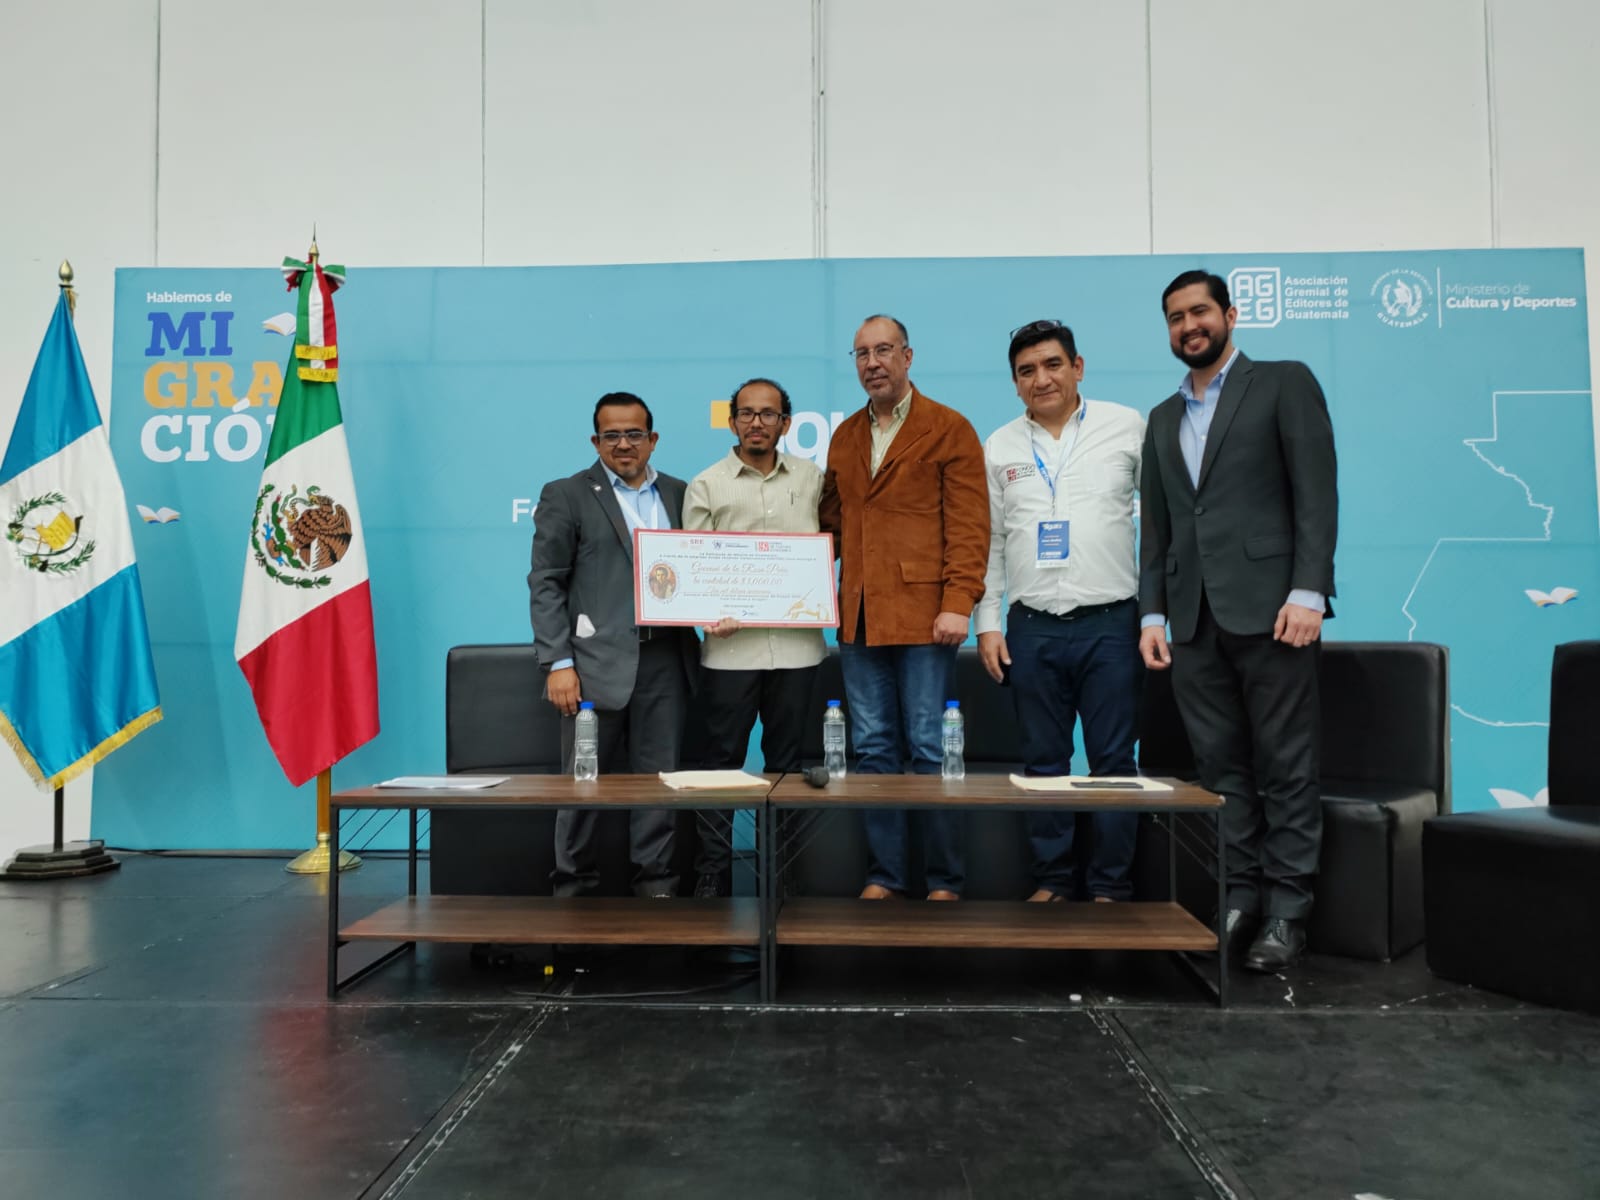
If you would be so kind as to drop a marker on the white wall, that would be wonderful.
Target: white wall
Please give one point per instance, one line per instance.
(191, 132)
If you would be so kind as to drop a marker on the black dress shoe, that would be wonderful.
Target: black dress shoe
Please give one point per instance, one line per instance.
(712, 885)
(1238, 930)
(1280, 944)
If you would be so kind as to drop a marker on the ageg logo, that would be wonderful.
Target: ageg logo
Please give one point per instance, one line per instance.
(1257, 294)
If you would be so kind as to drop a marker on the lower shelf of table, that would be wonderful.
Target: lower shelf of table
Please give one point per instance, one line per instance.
(590, 920)
(991, 924)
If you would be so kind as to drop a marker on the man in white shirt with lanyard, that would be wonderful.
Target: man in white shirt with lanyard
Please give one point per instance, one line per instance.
(1062, 481)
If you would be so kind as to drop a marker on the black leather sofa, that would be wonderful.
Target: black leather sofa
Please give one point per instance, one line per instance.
(498, 723)
(1513, 896)
(834, 862)
(1386, 769)
(1385, 761)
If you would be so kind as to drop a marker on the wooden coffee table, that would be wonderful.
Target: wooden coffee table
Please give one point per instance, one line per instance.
(538, 920)
(1005, 924)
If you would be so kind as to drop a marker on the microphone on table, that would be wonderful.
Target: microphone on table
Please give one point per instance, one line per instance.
(817, 777)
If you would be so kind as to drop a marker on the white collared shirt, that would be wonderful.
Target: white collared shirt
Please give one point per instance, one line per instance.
(1095, 469)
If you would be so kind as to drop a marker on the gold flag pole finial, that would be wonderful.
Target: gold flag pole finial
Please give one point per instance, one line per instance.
(311, 254)
(64, 273)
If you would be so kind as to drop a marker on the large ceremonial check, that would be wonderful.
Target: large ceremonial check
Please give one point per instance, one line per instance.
(762, 579)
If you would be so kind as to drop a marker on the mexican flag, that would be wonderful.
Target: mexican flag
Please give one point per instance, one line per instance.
(304, 639)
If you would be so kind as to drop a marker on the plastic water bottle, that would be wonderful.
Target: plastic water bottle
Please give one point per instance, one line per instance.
(955, 742)
(833, 740)
(586, 743)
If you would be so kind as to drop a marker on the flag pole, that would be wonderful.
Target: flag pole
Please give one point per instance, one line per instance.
(64, 274)
(61, 861)
(315, 860)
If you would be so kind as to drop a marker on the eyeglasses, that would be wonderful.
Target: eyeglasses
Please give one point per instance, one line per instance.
(1048, 325)
(633, 437)
(867, 354)
(749, 416)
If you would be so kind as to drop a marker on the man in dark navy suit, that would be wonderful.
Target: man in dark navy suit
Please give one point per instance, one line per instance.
(1239, 518)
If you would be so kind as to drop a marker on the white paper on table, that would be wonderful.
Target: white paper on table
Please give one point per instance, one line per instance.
(1088, 783)
(444, 783)
(705, 780)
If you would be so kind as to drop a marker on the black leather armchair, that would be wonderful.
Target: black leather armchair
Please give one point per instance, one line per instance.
(1513, 896)
(835, 861)
(993, 742)
(1385, 770)
(497, 722)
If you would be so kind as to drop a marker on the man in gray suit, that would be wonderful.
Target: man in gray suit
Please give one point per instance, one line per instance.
(581, 601)
(1240, 513)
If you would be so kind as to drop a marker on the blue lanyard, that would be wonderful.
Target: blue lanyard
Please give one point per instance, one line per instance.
(1049, 480)
(1043, 474)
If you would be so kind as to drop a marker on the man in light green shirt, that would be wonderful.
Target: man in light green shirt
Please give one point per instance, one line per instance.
(751, 672)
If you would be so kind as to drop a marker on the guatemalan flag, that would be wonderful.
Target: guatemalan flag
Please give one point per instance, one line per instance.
(76, 678)
(304, 638)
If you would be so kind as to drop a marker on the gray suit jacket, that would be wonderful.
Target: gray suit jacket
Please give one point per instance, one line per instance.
(583, 566)
(1265, 515)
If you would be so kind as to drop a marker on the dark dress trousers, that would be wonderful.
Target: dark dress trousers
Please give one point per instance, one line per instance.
(1219, 559)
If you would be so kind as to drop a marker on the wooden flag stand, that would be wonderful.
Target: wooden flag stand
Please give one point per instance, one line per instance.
(315, 860)
(62, 860)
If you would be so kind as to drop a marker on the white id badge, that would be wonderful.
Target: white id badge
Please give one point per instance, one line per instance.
(1051, 550)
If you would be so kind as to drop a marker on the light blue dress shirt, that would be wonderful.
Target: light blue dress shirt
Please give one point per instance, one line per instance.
(1195, 424)
(641, 506)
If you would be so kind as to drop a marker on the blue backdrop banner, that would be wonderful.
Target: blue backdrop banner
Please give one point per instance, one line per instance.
(1458, 383)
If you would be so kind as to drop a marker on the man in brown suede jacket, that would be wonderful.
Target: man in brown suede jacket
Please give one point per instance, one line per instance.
(907, 501)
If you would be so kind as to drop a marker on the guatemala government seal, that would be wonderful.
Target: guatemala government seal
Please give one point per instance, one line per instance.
(48, 534)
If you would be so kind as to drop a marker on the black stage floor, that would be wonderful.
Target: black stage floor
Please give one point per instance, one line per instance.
(163, 1033)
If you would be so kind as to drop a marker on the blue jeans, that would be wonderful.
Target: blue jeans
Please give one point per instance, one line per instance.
(1063, 670)
(897, 696)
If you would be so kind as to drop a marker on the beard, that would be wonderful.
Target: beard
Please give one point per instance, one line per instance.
(1202, 358)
